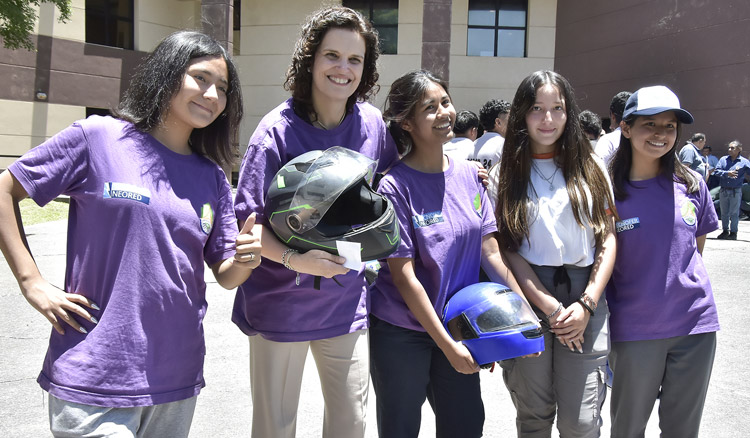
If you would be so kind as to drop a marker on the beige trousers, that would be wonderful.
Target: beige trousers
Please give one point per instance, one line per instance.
(276, 379)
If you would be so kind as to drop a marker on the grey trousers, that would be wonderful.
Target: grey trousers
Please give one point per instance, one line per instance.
(675, 369)
(561, 382)
(75, 420)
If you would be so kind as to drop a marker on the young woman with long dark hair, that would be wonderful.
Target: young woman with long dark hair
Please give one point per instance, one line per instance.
(149, 205)
(557, 231)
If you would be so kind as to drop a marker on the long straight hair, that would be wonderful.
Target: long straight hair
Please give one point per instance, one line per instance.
(574, 157)
(160, 76)
(669, 165)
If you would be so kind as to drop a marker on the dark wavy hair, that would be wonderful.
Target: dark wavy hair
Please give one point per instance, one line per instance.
(669, 165)
(465, 120)
(400, 105)
(299, 75)
(160, 76)
(492, 110)
(574, 156)
(617, 105)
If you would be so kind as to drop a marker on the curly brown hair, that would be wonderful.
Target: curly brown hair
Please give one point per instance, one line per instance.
(299, 75)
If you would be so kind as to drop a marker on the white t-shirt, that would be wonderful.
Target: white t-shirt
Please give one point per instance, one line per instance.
(488, 149)
(555, 238)
(459, 148)
(607, 145)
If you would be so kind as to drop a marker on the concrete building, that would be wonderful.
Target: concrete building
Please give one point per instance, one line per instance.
(484, 48)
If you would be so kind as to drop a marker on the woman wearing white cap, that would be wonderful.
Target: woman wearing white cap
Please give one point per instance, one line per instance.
(663, 316)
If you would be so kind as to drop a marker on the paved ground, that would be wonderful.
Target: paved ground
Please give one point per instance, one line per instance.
(224, 406)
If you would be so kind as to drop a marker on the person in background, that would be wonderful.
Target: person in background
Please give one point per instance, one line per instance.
(444, 216)
(691, 156)
(332, 75)
(712, 160)
(591, 125)
(607, 144)
(461, 146)
(663, 316)
(557, 232)
(731, 171)
(489, 147)
(149, 205)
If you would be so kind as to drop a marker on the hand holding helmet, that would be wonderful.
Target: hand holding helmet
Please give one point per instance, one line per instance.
(322, 197)
(493, 322)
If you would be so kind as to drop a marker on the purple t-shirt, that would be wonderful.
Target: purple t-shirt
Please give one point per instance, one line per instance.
(142, 222)
(659, 287)
(442, 217)
(271, 303)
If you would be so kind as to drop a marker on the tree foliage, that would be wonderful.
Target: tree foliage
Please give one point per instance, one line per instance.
(17, 18)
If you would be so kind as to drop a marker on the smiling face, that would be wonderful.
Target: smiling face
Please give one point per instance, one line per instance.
(202, 96)
(546, 119)
(433, 119)
(652, 136)
(339, 62)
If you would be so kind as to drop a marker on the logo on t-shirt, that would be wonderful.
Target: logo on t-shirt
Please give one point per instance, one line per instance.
(115, 190)
(427, 219)
(628, 224)
(207, 218)
(687, 210)
(478, 204)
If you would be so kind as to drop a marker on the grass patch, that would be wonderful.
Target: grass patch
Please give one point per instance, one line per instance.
(33, 214)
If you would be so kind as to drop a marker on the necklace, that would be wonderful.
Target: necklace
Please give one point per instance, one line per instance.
(550, 179)
(321, 125)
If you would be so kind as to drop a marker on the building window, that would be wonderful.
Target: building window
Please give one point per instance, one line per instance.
(236, 14)
(110, 23)
(497, 28)
(383, 14)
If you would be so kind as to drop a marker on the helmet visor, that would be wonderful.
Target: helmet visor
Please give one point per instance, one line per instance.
(333, 172)
(503, 310)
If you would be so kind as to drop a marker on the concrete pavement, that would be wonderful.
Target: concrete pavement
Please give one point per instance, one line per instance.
(224, 407)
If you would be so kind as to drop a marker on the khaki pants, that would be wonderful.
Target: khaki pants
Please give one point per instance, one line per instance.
(276, 380)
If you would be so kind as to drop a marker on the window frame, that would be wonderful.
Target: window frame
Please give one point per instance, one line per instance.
(111, 17)
(370, 16)
(496, 28)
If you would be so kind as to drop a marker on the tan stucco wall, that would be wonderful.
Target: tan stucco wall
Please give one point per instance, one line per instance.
(476, 79)
(270, 29)
(27, 124)
(156, 19)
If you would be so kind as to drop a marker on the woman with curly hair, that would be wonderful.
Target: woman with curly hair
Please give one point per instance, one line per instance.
(332, 74)
(557, 230)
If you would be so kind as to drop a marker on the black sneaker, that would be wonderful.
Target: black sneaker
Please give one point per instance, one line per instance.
(732, 236)
(724, 234)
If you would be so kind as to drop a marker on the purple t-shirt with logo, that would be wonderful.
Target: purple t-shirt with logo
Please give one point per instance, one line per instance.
(142, 222)
(271, 303)
(659, 287)
(443, 218)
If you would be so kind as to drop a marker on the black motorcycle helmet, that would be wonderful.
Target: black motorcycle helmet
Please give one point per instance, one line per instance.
(324, 196)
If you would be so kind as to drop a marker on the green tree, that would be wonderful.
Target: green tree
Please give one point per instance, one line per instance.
(17, 18)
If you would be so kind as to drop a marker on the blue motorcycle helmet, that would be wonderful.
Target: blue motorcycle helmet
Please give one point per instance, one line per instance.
(493, 322)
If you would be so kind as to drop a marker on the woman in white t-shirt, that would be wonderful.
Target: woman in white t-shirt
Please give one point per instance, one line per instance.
(555, 226)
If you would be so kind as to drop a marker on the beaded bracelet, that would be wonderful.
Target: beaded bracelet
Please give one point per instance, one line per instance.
(285, 257)
(588, 303)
